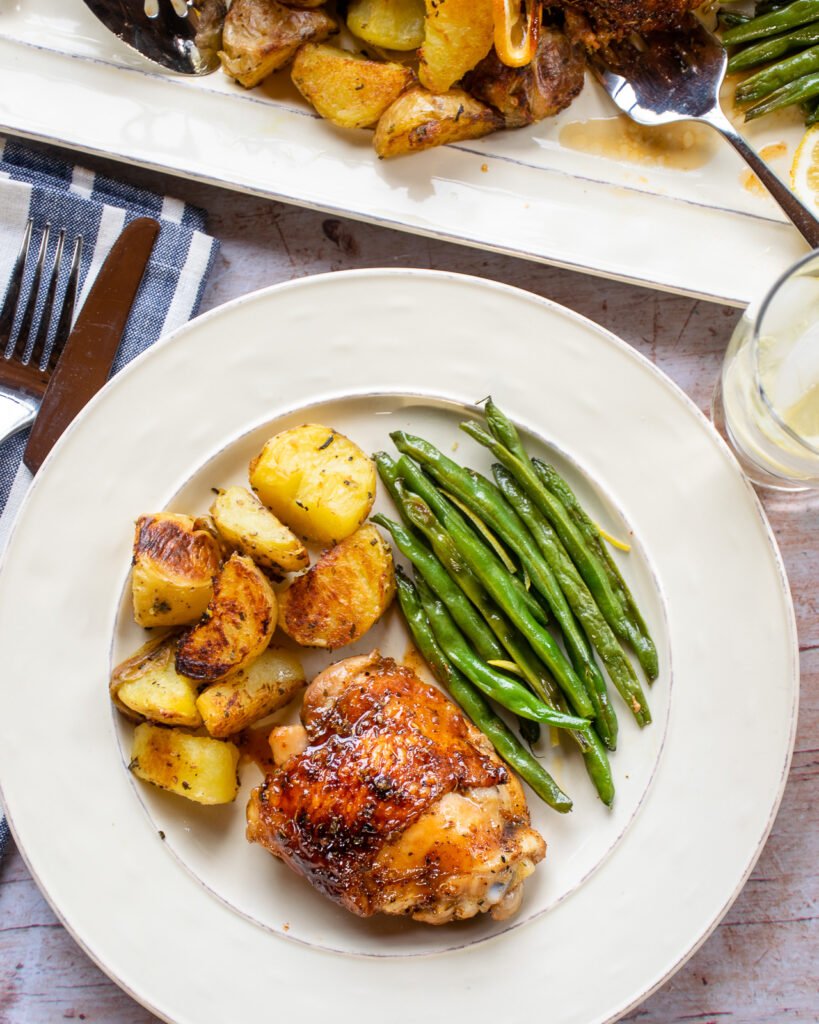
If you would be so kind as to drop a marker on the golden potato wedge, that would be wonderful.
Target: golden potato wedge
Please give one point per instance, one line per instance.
(286, 741)
(348, 90)
(260, 36)
(246, 524)
(394, 24)
(420, 120)
(316, 481)
(196, 767)
(147, 685)
(457, 34)
(174, 567)
(267, 684)
(237, 625)
(343, 595)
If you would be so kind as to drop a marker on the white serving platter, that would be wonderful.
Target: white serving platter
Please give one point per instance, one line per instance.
(531, 193)
(168, 898)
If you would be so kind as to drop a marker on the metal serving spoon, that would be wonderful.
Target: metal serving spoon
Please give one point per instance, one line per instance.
(676, 76)
(182, 35)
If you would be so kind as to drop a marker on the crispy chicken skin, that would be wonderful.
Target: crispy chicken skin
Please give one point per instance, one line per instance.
(595, 22)
(540, 89)
(398, 805)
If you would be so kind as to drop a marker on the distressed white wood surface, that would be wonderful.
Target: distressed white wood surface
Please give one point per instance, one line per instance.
(761, 966)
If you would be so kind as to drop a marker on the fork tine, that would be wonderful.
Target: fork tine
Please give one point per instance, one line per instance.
(12, 293)
(31, 302)
(38, 348)
(69, 302)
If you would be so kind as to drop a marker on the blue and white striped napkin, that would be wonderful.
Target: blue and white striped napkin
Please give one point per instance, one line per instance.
(46, 188)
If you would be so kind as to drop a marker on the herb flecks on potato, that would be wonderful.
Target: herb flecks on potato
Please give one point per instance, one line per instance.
(260, 36)
(237, 626)
(246, 524)
(147, 685)
(174, 566)
(266, 685)
(315, 480)
(420, 120)
(457, 34)
(342, 595)
(345, 88)
(196, 767)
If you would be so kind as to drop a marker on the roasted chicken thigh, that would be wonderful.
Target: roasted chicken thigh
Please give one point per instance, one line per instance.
(593, 22)
(396, 804)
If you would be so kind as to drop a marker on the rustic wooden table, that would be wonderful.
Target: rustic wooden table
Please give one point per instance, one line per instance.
(761, 966)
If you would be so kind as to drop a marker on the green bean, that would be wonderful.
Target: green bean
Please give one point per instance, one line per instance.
(436, 576)
(533, 671)
(495, 578)
(392, 477)
(451, 562)
(771, 49)
(473, 702)
(465, 615)
(554, 482)
(588, 563)
(507, 692)
(763, 83)
(798, 13)
(594, 755)
(795, 92)
(484, 499)
(582, 604)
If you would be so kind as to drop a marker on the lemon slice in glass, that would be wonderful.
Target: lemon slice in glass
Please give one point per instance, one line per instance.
(805, 169)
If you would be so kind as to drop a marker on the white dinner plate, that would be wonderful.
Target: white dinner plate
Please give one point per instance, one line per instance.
(538, 192)
(168, 897)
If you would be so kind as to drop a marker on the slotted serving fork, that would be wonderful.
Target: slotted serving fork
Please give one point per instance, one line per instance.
(23, 374)
(181, 35)
(676, 76)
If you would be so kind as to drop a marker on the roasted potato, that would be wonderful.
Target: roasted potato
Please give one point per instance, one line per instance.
(196, 767)
(267, 684)
(246, 524)
(343, 595)
(260, 36)
(147, 685)
(348, 90)
(286, 741)
(457, 34)
(174, 566)
(315, 480)
(236, 627)
(420, 120)
(394, 24)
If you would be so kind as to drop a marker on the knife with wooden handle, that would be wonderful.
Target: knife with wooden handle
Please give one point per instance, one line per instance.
(92, 345)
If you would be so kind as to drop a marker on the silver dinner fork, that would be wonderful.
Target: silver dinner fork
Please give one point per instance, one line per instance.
(24, 370)
(676, 76)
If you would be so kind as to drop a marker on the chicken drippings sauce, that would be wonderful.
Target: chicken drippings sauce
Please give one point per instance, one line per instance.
(683, 146)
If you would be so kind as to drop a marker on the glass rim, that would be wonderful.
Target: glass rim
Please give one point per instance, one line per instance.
(792, 271)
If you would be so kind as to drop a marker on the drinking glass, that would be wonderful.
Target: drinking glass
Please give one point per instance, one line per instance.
(767, 401)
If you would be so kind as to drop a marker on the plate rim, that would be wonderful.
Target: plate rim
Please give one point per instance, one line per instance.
(611, 338)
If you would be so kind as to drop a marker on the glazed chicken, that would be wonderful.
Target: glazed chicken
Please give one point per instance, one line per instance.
(540, 89)
(396, 804)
